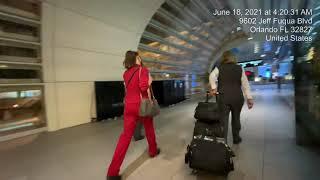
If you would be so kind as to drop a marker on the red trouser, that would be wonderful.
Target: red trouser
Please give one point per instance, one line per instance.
(131, 116)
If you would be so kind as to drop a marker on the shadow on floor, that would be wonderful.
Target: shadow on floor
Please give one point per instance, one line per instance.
(238, 175)
(312, 149)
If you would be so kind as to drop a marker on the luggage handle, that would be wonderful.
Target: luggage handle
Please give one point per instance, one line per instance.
(208, 96)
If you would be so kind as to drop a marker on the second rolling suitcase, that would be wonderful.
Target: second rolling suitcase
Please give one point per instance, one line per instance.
(207, 112)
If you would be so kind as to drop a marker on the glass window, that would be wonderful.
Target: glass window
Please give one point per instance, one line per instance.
(21, 96)
(29, 9)
(21, 108)
(17, 51)
(18, 31)
(19, 73)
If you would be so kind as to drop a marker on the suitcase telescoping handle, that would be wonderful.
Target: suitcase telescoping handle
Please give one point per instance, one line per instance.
(208, 96)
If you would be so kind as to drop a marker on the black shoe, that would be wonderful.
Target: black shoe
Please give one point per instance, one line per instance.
(237, 140)
(158, 152)
(138, 138)
(113, 177)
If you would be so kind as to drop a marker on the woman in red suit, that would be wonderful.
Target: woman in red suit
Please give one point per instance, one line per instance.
(136, 87)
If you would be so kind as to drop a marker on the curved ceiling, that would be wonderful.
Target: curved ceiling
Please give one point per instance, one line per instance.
(184, 37)
(183, 34)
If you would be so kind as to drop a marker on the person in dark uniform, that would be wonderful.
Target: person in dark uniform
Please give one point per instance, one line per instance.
(279, 82)
(232, 86)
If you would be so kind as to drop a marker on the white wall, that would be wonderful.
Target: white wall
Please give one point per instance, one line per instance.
(85, 41)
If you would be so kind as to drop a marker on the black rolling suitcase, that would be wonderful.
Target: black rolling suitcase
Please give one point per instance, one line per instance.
(205, 129)
(207, 112)
(209, 154)
(208, 150)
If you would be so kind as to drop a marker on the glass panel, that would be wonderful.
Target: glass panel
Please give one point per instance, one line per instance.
(21, 109)
(17, 51)
(18, 31)
(307, 87)
(21, 100)
(177, 52)
(16, 73)
(29, 7)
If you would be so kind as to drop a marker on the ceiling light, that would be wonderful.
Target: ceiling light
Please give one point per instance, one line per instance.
(15, 106)
(250, 38)
(310, 54)
(291, 58)
(3, 66)
(263, 55)
(278, 50)
(256, 48)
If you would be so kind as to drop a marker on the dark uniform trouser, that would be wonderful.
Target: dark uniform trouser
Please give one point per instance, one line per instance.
(235, 109)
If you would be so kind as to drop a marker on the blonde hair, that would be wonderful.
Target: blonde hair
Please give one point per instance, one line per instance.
(228, 58)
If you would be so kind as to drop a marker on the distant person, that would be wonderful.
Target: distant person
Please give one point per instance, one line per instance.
(279, 82)
(232, 84)
(136, 87)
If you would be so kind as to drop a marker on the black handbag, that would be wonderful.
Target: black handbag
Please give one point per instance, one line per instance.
(208, 112)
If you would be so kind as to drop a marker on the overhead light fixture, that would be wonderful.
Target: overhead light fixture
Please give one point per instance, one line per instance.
(250, 38)
(166, 75)
(257, 79)
(3, 66)
(263, 55)
(15, 106)
(278, 50)
(291, 58)
(310, 54)
(256, 48)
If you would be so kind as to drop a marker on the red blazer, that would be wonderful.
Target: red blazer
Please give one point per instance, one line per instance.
(136, 87)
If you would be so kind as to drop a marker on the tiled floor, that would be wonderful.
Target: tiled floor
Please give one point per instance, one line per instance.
(82, 153)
